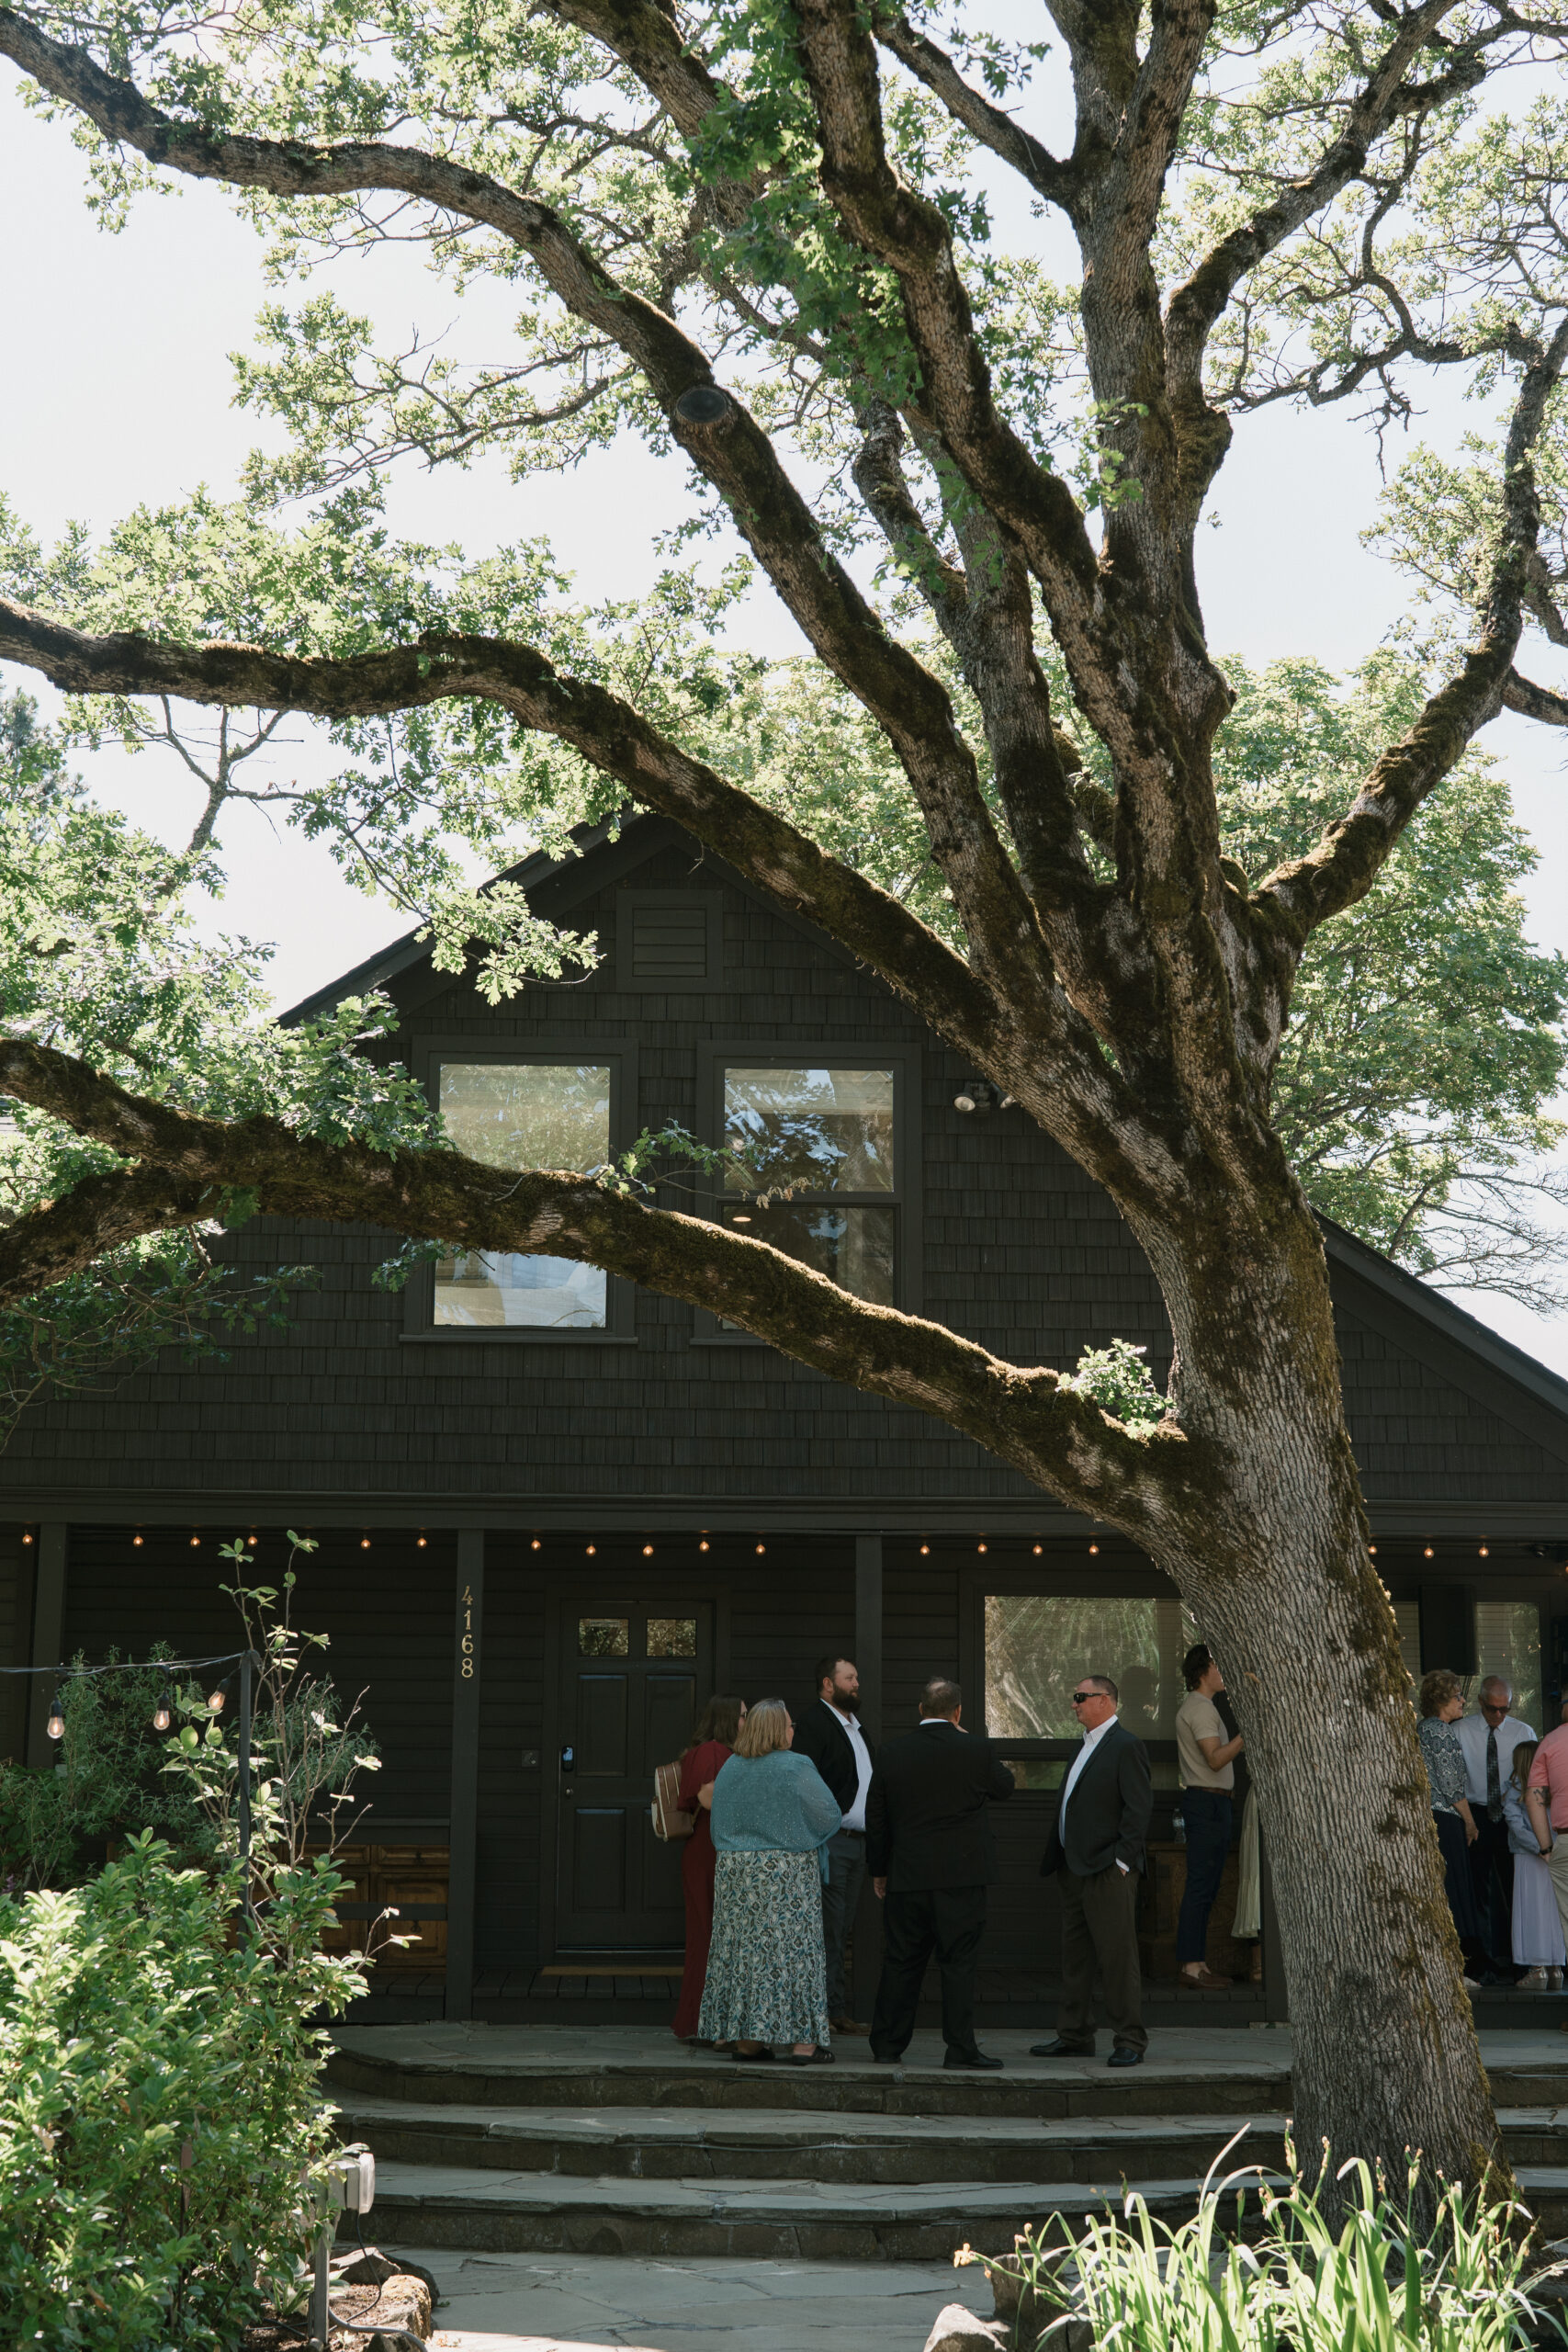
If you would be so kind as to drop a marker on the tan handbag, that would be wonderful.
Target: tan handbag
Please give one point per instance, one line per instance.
(669, 1821)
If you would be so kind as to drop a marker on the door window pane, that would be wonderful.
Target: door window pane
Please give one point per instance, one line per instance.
(672, 1637)
(603, 1637)
(1508, 1642)
(1038, 1645)
(852, 1247)
(524, 1115)
(824, 1130)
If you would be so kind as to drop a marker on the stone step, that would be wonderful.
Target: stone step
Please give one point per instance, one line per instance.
(813, 2220)
(681, 2144)
(785, 2145)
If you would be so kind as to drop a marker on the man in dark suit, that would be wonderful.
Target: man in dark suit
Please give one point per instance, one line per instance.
(831, 1733)
(1096, 1853)
(932, 1855)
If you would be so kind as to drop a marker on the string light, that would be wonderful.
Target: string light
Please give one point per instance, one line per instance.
(1484, 1551)
(420, 1541)
(1094, 1548)
(1429, 1554)
(28, 1536)
(925, 1547)
(215, 1700)
(762, 1547)
(1371, 1551)
(704, 1544)
(249, 1539)
(163, 1713)
(136, 1541)
(1038, 1549)
(648, 1550)
(591, 1549)
(193, 1542)
(365, 1543)
(979, 1547)
(535, 1545)
(55, 1727)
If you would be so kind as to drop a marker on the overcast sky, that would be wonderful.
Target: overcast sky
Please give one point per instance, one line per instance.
(118, 391)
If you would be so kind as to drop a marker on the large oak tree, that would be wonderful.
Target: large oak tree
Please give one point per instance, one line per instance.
(760, 235)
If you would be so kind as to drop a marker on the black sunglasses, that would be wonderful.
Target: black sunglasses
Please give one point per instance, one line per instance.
(1079, 1696)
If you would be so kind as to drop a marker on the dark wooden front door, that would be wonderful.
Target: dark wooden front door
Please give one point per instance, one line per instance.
(632, 1678)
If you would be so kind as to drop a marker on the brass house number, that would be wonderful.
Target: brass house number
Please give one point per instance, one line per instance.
(468, 1642)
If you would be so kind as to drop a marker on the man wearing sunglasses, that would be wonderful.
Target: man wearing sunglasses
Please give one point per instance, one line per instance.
(1096, 1853)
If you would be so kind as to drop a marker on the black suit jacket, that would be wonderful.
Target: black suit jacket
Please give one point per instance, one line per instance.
(820, 1735)
(1107, 1819)
(925, 1820)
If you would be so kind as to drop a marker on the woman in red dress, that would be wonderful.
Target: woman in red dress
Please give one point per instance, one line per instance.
(711, 1747)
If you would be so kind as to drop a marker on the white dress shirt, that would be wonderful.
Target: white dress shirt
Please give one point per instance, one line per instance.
(855, 1816)
(1472, 1731)
(1090, 1738)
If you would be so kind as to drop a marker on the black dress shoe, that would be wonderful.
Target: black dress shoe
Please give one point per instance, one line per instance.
(1059, 2048)
(1125, 2056)
(888, 2057)
(976, 2061)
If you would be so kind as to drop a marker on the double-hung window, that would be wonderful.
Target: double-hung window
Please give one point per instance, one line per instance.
(825, 1174)
(555, 1111)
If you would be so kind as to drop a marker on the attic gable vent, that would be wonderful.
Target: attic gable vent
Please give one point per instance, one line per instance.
(669, 942)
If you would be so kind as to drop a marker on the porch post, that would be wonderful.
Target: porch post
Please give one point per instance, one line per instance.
(48, 1634)
(865, 1950)
(467, 1653)
(868, 1631)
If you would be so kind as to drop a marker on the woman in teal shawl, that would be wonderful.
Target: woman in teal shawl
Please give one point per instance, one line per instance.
(772, 1816)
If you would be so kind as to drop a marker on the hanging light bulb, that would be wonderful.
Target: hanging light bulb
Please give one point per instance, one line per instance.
(925, 1548)
(136, 1541)
(365, 1543)
(420, 1540)
(55, 1727)
(1038, 1549)
(1371, 1551)
(215, 1701)
(1094, 1548)
(535, 1545)
(193, 1542)
(249, 1539)
(27, 1535)
(591, 1549)
(979, 1547)
(762, 1547)
(1429, 1555)
(1485, 1551)
(704, 1544)
(163, 1715)
(648, 1550)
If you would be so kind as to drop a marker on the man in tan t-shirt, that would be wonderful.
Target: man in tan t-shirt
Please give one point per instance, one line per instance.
(1207, 1757)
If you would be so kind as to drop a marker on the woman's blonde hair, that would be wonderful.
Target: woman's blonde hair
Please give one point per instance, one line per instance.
(766, 1727)
(1524, 1756)
(1437, 1689)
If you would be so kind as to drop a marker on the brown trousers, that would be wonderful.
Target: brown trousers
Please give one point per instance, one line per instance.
(1097, 1930)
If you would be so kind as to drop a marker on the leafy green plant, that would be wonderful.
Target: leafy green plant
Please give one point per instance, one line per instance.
(106, 1781)
(1121, 1384)
(1341, 2263)
(160, 2110)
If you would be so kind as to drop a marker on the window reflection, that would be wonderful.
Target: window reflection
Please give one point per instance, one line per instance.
(852, 1247)
(825, 1130)
(603, 1637)
(1038, 1645)
(672, 1637)
(524, 1115)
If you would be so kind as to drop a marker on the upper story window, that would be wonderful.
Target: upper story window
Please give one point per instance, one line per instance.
(827, 1131)
(523, 1114)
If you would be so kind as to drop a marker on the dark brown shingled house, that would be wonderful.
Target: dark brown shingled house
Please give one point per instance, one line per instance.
(552, 1513)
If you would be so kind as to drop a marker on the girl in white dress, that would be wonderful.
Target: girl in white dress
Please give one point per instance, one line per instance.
(1538, 1930)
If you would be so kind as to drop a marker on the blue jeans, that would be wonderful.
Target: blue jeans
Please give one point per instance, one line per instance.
(1207, 1812)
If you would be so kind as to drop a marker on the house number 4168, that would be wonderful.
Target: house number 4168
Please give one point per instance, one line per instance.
(467, 1641)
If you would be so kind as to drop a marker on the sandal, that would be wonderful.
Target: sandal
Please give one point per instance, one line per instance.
(820, 2056)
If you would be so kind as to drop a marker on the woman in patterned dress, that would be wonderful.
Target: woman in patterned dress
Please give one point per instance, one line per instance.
(772, 1816)
(1441, 1702)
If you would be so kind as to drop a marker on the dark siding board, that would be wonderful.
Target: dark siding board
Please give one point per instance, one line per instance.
(387, 1614)
(1022, 1251)
(16, 1560)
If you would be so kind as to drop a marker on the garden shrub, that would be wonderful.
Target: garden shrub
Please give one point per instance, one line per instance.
(160, 2104)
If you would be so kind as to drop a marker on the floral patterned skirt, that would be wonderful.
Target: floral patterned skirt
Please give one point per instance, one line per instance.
(766, 1979)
